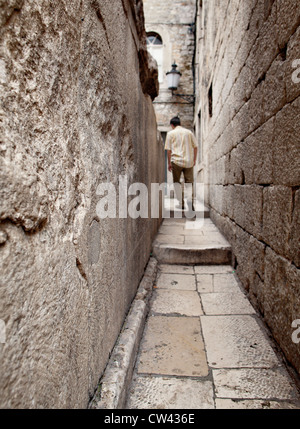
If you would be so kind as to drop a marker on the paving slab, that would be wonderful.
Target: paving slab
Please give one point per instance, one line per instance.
(174, 221)
(213, 269)
(235, 342)
(184, 303)
(170, 210)
(176, 269)
(225, 283)
(202, 225)
(172, 229)
(226, 303)
(205, 240)
(264, 404)
(173, 346)
(205, 283)
(253, 383)
(176, 281)
(170, 239)
(203, 345)
(217, 283)
(170, 393)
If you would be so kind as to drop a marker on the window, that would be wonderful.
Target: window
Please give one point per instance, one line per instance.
(155, 47)
(154, 39)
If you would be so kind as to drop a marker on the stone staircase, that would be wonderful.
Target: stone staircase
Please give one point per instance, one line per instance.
(190, 241)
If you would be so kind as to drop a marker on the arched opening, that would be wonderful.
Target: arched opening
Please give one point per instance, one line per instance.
(155, 47)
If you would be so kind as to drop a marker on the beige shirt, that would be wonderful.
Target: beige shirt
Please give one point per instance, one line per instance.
(181, 142)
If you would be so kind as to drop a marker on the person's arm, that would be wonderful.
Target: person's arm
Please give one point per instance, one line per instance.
(195, 155)
(168, 147)
(194, 143)
(169, 160)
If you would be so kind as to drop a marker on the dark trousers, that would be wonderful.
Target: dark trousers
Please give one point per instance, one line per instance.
(188, 174)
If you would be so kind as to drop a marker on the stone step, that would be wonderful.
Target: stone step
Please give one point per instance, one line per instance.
(178, 214)
(170, 210)
(183, 241)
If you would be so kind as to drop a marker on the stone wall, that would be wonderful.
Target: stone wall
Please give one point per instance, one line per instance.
(174, 21)
(249, 100)
(76, 112)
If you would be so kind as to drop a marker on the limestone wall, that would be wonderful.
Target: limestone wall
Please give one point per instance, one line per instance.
(76, 112)
(248, 52)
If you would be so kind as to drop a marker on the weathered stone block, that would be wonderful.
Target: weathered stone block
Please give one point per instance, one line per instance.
(288, 15)
(274, 88)
(225, 225)
(229, 203)
(243, 86)
(277, 218)
(241, 124)
(265, 48)
(293, 66)
(282, 302)
(295, 230)
(286, 160)
(249, 254)
(218, 199)
(234, 171)
(248, 208)
(256, 114)
(256, 155)
(23, 200)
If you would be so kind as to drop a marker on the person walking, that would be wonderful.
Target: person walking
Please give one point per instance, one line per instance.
(181, 147)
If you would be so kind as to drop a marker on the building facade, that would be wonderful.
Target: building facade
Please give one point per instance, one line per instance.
(173, 23)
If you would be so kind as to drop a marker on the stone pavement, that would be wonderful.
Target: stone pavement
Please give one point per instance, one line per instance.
(204, 346)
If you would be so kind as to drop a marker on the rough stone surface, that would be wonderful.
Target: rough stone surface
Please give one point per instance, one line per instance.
(172, 346)
(76, 112)
(254, 383)
(235, 404)
(183, 302)
(236, 341)
(212, 361)
(247, 114)
(170, 393)
(282, 281)
(113, 386)
(176, 281)
(226, 303)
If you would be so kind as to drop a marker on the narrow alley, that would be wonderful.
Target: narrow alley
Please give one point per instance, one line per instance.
(204, 346)
(115, 291)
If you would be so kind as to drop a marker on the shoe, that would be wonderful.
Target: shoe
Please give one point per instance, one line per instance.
(191, 206)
